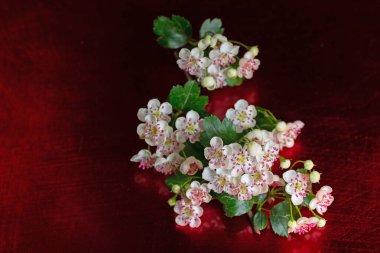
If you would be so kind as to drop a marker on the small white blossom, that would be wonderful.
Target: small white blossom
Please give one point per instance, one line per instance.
(218, 76)
(297, 185)
(188, 214)
(225, 55)
(152, 131)
(322, 200)
(287, 137)
(240, 160)
(170, 145)
(217, 153)
(189, 128)
(145, 158)
(156, 109)
(248, 65)
(303, 225)
(193, 61)
(243, 116)
(198, 193)
(168, 165)
(191, 166)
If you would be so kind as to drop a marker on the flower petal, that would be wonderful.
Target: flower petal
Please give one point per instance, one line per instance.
(192, 115)
(184, 53)
(154, 104)
(216, 142)
(313, 203)
(241, 105)
(297, 200)
(208, 174)
(289, 175)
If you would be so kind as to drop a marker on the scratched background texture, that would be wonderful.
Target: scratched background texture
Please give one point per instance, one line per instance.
(74, 73)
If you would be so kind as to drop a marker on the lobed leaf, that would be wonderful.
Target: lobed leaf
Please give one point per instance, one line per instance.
(260, 221)
(233, 206)
(187, 97)
(213, 26)
(172, 33)
(279, 218)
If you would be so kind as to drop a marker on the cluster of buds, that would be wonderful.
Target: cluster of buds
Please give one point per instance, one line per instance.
(215, 62)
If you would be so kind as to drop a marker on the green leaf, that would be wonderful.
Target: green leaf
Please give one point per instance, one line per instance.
(213, 26)
(307, 200)
(260, 221)
(260, 198)
(196, 150)
(265, 119)
(279, 218)
(187, 97)
(233, 206)
(303, 171)
(172, 33)
(234, 81)
(181, 180)
(214, 127)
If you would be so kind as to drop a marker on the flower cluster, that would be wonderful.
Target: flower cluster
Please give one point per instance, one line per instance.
(237, 160)
(215, 62)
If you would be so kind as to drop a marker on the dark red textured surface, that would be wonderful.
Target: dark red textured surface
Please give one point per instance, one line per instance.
(72, 76)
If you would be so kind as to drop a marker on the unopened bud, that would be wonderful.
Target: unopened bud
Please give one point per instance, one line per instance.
(292, 224)
(254, 149)
(209, 83)
(232, 73)
(176, 188)
(321, 223)
(254, 50)
(281, 126)
(172, 201)
(315, 176)
(285, 164)
(308, 164)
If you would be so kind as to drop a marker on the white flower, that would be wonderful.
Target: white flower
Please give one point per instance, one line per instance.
(217, 40)
(287, 137)
(240, 160)
(304, 225)
(218, 182)
(168, 165)
(170, 145)
(297, 185)
(270, 155)
(193, 61)
(217, 153)
(218, 76)
(243, 116)
(191, 166)
(322, 200)
(261, 179)
(198, 193)
(225, 55)
(248, 65)
(145, 158)
(260, 136)
(156, 109)
(188, 214)
(189, 127)
(245, 190)
(154, 132)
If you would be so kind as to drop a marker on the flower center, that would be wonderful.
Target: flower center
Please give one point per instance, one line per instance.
(191, 128)
(241, 116)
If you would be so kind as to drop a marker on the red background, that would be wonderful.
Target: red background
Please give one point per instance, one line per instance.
(73, 74)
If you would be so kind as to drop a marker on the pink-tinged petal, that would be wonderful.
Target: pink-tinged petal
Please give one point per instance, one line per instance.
(181, 137)
(182, 64)
(313, 220)
(180, 123)
(140, 129)
(313, 203)
(166, 108)
(204, 62)
(154, 104)
(236, 172)
(241, 105)
(198, 211)
(208, 174)
(192, 115)
(321, 209)
(289, 175)
(239, 129)
(297, 200)
(214, 54)
(226, 47)
(141, 114)
(196, 53)
(326, 188)
(184, 53)
(252, 111)
(230, 114)
(195, 184)
(195, 222)
(216, 142)
(289, 143)
(181, 220)
(247, 179)
(289, 189)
